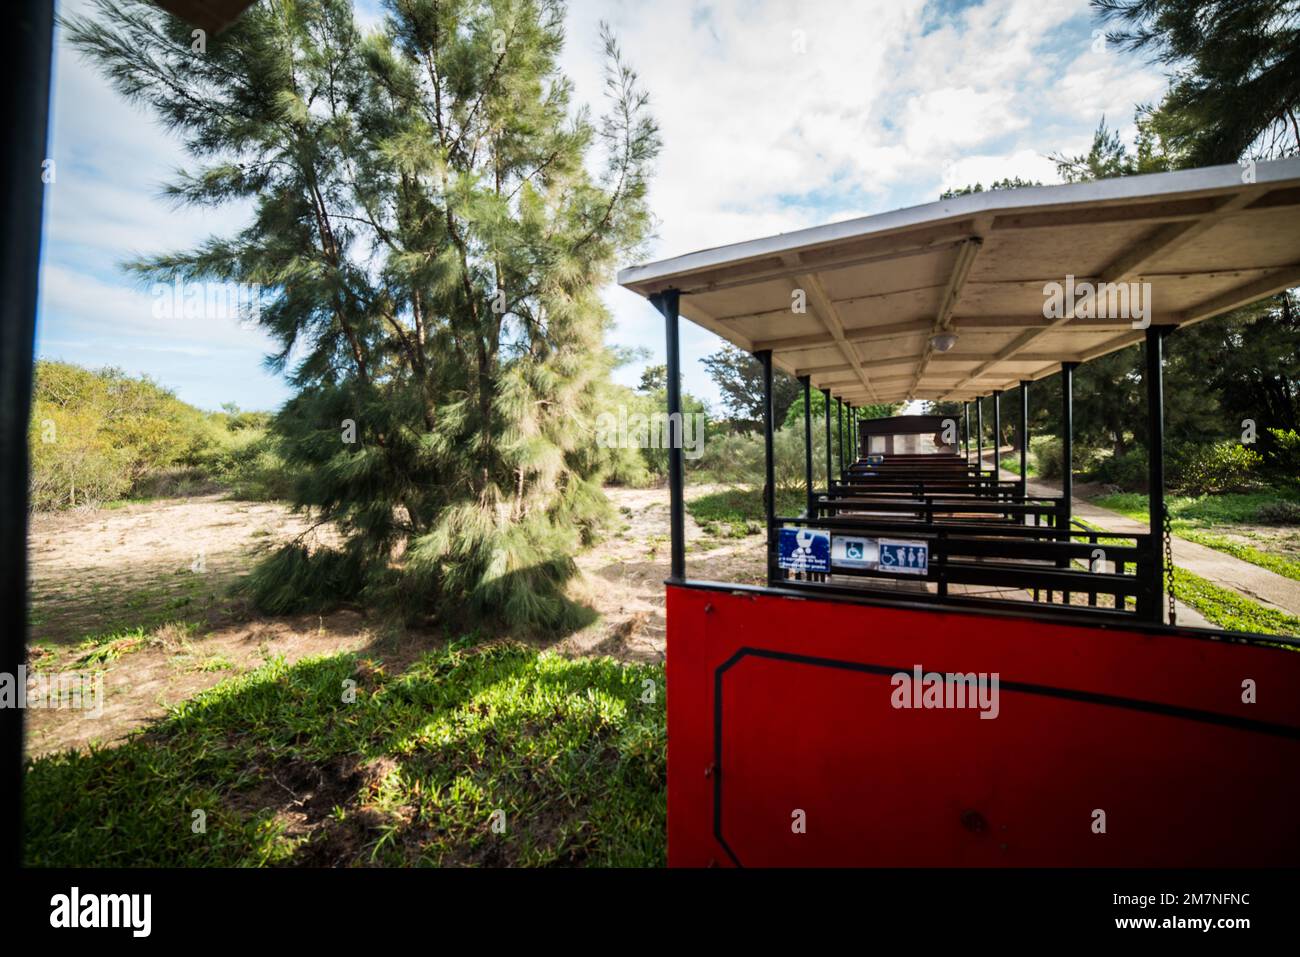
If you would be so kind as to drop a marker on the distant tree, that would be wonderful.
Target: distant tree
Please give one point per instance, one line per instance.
(794, 416)
(654, 379)
(1012, 182)
(1110, 157)
(739, 377)
(1248, 362)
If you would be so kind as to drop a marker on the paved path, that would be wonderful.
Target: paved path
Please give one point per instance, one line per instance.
(1259, 584)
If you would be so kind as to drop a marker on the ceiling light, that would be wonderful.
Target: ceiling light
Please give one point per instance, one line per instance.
(943, 341)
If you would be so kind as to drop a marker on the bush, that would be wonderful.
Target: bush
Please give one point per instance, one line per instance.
(1046, 453)
(1128, 471)
(642, 415)
(1281, 448)
(739, 459)
(100, 435)
(73, 459)
(1279, 513)
(1221, 467)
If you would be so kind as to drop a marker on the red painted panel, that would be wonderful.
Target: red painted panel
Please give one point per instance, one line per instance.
(1148, 727)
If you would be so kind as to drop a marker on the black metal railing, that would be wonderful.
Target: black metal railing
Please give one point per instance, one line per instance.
(1046, 566)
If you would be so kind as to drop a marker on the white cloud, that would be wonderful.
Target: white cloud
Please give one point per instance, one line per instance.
(114, 311)
(890, 103)
(775, 115)
(940, 120)
(985, 170)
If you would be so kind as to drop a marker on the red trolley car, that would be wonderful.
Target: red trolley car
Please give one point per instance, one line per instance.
(946, 667)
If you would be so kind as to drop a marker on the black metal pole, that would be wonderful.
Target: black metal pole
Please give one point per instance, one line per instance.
(1024, 440)
(997, 434)
(1156, 466)
(1067, 460)
(27, 46)
(979, 432)
(839, 434)
(1067, 445)
(848, 433)
(769, 466)
(667, 302)
(853, 438)
(807, 443)
(826, 394)
(965, 447)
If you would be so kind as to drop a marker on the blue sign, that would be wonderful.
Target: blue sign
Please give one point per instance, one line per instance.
(851, 551)
(804, 550)
(904, 558)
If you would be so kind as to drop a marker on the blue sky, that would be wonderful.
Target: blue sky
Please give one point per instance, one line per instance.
(775, 115)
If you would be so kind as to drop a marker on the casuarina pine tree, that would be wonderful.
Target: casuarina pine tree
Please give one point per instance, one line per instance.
(431, 218)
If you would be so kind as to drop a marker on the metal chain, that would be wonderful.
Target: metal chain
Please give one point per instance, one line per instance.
(1169, 566)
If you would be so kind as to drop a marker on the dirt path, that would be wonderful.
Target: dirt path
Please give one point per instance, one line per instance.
(141, 595)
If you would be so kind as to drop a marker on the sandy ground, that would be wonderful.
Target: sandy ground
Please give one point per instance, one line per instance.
(154, 579)
(623, 576)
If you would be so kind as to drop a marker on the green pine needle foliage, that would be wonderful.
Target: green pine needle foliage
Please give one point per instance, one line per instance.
(432, 219)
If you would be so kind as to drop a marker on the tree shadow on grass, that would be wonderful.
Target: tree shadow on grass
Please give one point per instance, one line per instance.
(495, 755)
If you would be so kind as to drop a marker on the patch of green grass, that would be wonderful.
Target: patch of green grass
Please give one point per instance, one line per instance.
(737, 512)
(1199, 511)
(1191, 517)
(1280, 564)
(1012, 464)
(1229, 610)
(1109, 540)
(412, 771)
(1220, 606)
(104, 647)
(215, 663)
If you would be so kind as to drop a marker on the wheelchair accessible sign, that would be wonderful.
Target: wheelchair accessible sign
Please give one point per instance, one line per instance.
(804, 550)
(881, 554)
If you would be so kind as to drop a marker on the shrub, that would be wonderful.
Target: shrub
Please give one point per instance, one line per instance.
(643, 414)
(1281, 448)
(1046, 453)
(73, 459)
(1221, 467)
(739, 459)
(1128, 471)
(100, 435)
(1281, 512)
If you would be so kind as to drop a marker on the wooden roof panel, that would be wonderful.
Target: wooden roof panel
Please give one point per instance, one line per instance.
(878, 288)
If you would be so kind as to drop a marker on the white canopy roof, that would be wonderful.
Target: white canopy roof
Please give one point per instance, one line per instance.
(876, 290)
